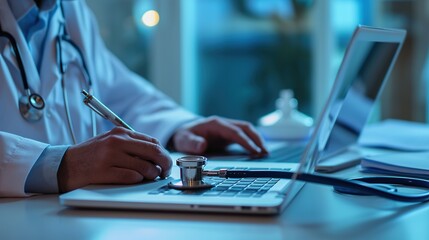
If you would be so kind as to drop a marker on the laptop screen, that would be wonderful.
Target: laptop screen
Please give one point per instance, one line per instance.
(361, 85)
(367, 63)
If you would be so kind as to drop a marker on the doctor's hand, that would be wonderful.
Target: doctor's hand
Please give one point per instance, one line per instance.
(215, 133)
(119, 156)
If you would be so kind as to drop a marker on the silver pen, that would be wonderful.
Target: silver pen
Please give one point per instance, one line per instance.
(101, 109)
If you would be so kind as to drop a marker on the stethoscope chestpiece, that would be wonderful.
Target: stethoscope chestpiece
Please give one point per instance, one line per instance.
(31, 107)
(191, 174)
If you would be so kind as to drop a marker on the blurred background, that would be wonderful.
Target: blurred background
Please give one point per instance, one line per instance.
(232, 57)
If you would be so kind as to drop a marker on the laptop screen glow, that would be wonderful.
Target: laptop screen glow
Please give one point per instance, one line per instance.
(367, 64)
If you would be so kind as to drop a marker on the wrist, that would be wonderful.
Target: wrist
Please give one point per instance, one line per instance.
(68, 177)
(62, 174)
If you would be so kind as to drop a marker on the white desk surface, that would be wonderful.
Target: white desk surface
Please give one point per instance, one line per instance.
(316, 213)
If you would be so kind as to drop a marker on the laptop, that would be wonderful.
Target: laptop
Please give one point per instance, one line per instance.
(367, 63)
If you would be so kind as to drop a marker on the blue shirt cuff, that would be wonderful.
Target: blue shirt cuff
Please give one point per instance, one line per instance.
(43, 175)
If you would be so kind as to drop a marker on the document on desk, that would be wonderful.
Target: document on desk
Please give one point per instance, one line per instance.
(396, 134)
(382, 138)
(413, 164)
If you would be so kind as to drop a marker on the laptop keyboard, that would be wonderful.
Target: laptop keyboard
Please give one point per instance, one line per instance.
(232, 187)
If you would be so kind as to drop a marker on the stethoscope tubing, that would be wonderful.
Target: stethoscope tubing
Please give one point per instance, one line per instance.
(19, 61)
(361, 186)
(29, 110)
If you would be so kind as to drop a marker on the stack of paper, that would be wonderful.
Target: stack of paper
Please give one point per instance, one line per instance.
(410, 140)
(415, 164)
(397, 134)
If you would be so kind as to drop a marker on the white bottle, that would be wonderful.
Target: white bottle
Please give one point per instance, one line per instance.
(286, 122)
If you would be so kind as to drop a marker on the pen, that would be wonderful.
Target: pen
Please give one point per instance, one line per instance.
(101, 109)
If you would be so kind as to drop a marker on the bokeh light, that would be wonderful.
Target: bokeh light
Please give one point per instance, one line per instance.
(150, 18)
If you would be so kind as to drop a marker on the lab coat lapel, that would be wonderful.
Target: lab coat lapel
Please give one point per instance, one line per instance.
(49, 69)
(10, 25)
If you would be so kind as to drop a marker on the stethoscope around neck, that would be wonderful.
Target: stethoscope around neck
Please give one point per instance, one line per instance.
(31, 105)
(192, 179)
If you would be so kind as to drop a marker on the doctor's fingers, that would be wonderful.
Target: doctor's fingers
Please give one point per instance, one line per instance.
(145, 169)
(251, 133)
(188, 142)
(117, 175)
(230, 132)
(136, 135)
(144, 150)
(153, 153)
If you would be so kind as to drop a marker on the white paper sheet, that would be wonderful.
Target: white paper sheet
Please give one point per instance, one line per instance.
(396, 134)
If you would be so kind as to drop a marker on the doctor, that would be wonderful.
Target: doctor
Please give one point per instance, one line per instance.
(51, 142)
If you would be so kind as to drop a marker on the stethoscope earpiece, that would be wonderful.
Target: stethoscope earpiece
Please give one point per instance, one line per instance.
(31, 107)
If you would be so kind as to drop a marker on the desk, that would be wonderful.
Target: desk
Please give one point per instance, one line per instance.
(316, 213)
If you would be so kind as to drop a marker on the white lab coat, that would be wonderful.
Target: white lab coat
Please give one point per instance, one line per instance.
(137, 101)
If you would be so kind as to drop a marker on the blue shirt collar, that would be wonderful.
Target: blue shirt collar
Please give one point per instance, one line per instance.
(30, 17)
(21, 8)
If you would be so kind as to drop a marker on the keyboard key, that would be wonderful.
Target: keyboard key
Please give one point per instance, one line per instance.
(258, 181)
(211, 193)
(250, 190)
(225, 185)
(247, 179)
(241, 185)
(253, 188)
(220, 188)
(256, 185)
(231, 181)
(244, 194)
(228, 194)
